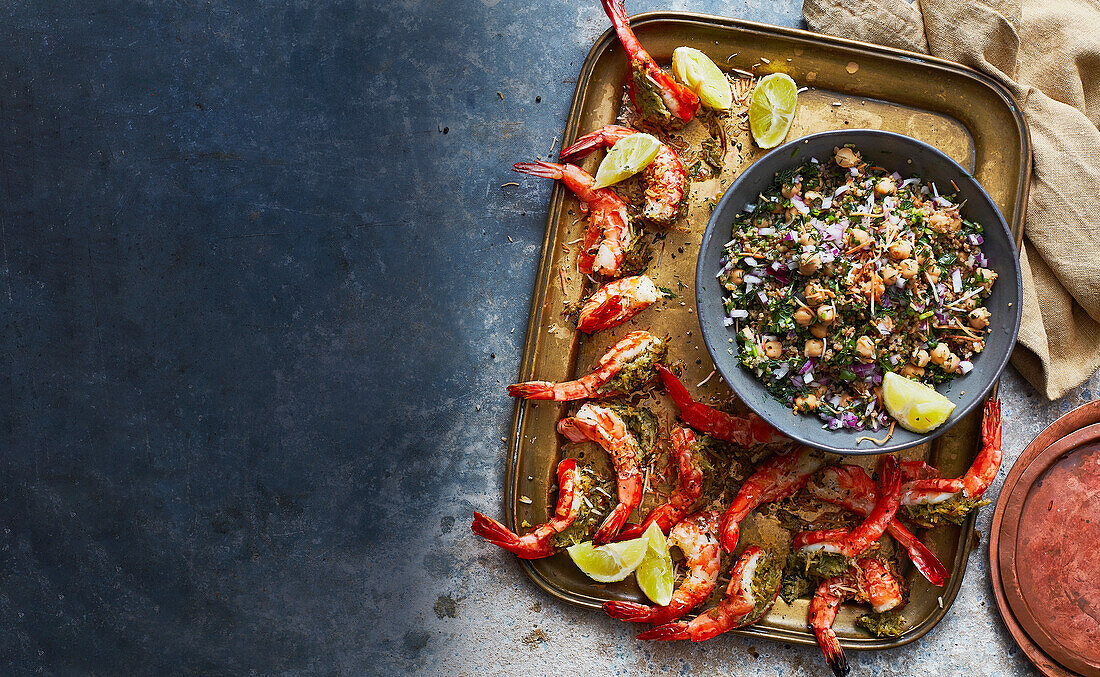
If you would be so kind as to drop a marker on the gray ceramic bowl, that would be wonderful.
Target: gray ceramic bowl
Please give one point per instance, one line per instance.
(908, 157)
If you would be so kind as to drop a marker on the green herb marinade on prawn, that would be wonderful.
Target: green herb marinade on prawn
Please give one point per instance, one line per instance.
(840, 272)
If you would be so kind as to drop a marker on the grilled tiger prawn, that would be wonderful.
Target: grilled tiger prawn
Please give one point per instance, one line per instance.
(655, 94)
(625, 367)
(937, 501)
(609, 234)
(537, 544)
(666, 179)
(694, 536)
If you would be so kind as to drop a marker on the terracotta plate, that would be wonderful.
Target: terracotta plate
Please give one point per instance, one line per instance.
(1044, 555)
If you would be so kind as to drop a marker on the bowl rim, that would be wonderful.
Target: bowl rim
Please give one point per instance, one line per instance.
(854, 136)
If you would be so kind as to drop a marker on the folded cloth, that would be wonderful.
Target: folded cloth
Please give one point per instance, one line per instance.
(1047, 53)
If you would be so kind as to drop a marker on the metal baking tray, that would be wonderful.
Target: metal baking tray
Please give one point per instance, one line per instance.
(852, 85)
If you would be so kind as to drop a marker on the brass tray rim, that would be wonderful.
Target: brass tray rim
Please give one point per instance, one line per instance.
(967, 533)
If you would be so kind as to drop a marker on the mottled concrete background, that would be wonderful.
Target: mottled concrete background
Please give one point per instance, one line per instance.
(260, 292)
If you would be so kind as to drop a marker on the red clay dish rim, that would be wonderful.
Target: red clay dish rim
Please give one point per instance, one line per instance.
(1014, 592)
(1068, 423)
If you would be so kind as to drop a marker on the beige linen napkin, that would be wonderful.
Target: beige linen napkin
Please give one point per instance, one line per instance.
(1047, 53)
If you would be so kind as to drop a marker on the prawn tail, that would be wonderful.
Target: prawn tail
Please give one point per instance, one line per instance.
(628, 611)
(583, 146)
(674, 388)
(616, 11)
(602, 316)
(834, 655)
(729, 534)
(630, 531)
(923, 559)
(611, 525)
(494, 532)
(500, 536)
(547, 170)
(991, 423)
(666, 632)
(532, 390)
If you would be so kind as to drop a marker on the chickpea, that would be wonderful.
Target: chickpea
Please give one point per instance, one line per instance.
(944, 221)
(803, 316)
(776, 208)
(790, 191)
(773, 349)
(889, 275)
(951, 364)
(846, 157)
(815, 293)
(988, 277)
(911, 370)
(865, 348)
(885, 186)
(900, 250)
(737, 276)
(873, 286)
(814, 347)
(826, 314)
(806, 239)
(858, 236)
(933, 273)
(979, 318)
(819, 330)
(908, 268)
(921, 358)
(809, 263)
(886, 323)
(806, 402)
(940, 353)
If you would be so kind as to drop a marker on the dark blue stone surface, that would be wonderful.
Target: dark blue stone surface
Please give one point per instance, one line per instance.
(260, 291)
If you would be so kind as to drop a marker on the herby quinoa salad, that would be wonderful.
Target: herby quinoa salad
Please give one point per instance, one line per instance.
(841, 272)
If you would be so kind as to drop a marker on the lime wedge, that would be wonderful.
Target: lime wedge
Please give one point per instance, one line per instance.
(702, 76)
(611, 562)
(772, 109)
(915, 406)
(655, 574)
(626, 158)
